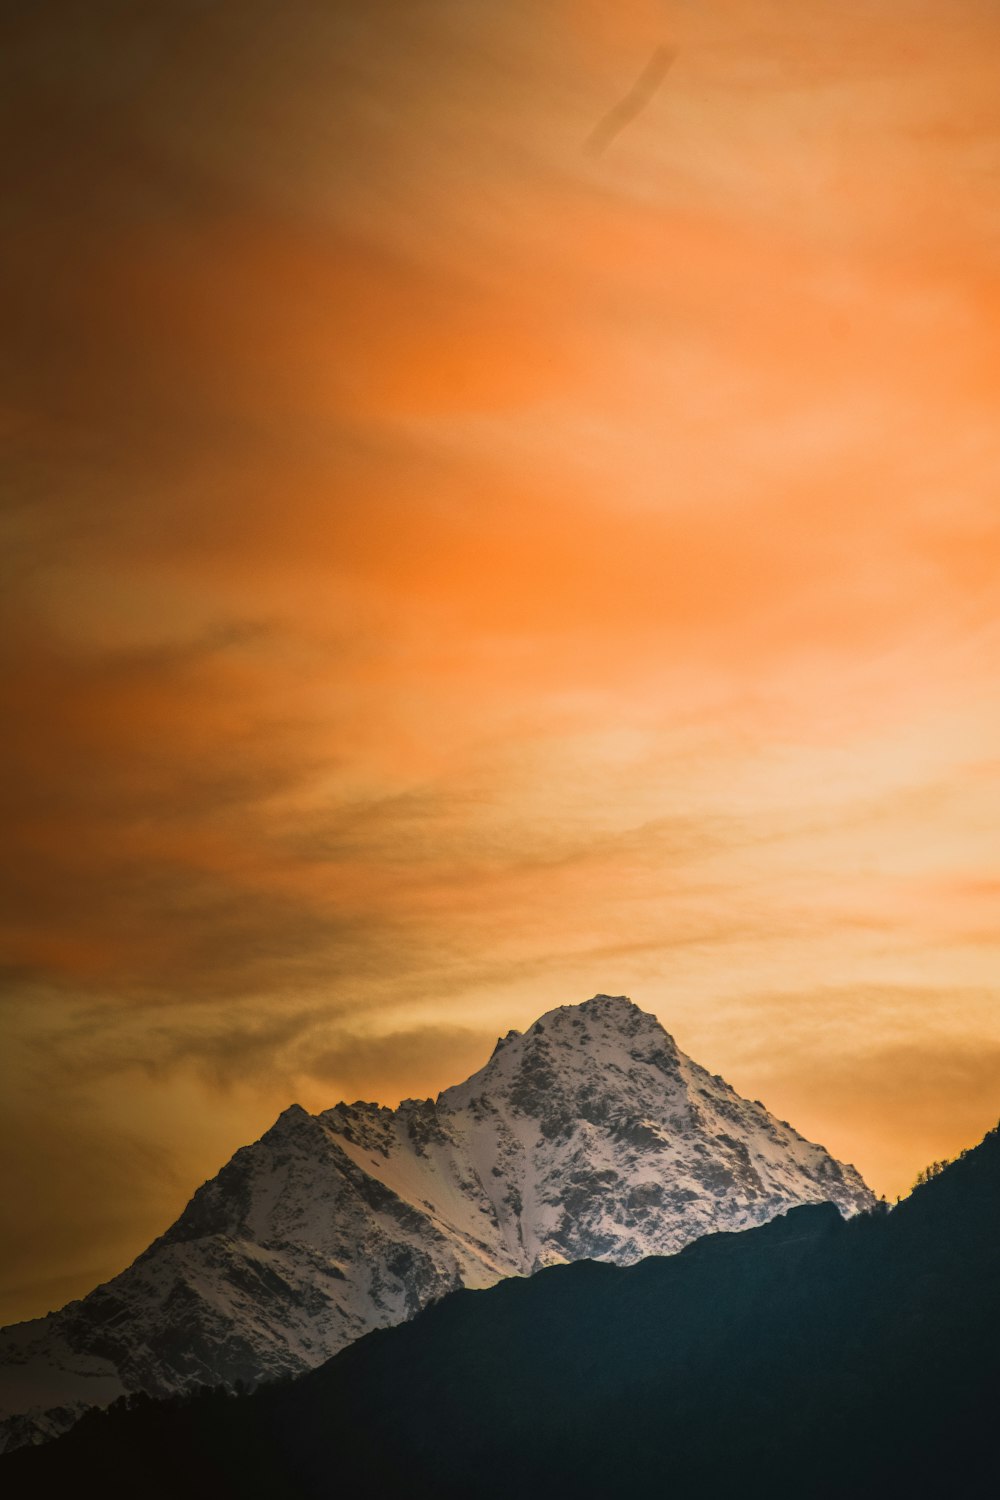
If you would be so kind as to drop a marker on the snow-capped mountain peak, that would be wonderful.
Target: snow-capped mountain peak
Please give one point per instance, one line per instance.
(590, 1134)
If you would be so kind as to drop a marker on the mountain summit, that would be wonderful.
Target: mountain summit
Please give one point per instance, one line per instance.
(589, 1136)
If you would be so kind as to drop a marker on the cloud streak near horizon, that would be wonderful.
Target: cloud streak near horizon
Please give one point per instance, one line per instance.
(447, 574)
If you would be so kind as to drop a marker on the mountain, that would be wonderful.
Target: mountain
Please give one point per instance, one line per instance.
(812, 1356)
(589, 1136)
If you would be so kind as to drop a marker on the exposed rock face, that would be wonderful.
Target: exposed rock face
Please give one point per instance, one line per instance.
(589, 1136)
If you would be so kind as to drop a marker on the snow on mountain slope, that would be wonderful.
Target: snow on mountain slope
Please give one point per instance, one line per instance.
(590, 1135)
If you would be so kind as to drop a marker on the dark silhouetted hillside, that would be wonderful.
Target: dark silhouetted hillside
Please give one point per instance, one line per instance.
(813, 1357)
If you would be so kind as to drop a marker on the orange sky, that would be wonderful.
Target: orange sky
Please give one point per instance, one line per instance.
(450, 572)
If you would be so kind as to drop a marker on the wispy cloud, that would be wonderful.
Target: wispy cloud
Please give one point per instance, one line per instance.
(632, 104)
